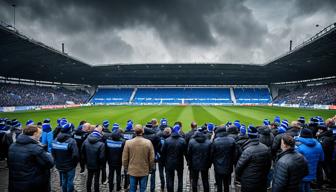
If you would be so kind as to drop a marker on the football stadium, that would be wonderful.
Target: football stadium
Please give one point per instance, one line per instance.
(267, 109)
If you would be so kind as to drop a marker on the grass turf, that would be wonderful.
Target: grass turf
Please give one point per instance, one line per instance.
(142, 114)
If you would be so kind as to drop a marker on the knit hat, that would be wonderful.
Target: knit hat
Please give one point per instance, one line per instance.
(302, 120)
(3, 126)
(243, 130)
(252, 132)
(96, 133)
(164, 122)
(129, 126)
(106, 123)
(176, 129)
(46, 120)
(66, 127)
(228, 124)
(277, 120)
(237, 124)
(210, 127)
(62, 122)
(115, 126)
(266, 122)
(306, 133)
(284, 124)
(29, 122)
(46, 127)
(281, 129)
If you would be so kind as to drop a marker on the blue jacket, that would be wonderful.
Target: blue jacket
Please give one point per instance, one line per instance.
(47, 139)
(312, 150)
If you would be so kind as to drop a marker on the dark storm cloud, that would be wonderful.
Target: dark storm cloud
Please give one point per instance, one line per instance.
(135, 31)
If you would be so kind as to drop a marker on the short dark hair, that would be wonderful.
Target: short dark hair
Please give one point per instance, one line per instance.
(288, 140)
(30, 130)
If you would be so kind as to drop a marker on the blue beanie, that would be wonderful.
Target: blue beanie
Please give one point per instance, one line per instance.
(302, 119)
(115, 126)
(277, 119)
(228, 124)
(252, 131)
(284, 124)
(164, 122)
(266, 122)
(242, 130)
(210, 127)
(3, 126)
(106, 123)
(281, 129)
(46, 127)
(237, 123)
(95, 133)
(129, 126)
(62, 122)
(30, 122)
(66, 127)
(176, 129)
(80, 127)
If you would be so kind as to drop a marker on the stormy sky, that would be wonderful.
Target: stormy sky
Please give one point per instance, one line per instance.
(101, 32)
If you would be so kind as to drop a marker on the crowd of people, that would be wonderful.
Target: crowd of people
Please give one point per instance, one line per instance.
(309, 95)
(277, 155)
(30, 95)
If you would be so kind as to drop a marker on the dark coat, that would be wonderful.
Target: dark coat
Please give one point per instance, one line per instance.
(276, 146)
(189, 135)
(253, 166)
(65, 152)
(114, 147)
(265, 136)
(93, 150)
(151, 135)
(173, 151)
(223, 151)
(199, 152)
(29, 166)
(294, 132)
(327, 141)
(289, 170)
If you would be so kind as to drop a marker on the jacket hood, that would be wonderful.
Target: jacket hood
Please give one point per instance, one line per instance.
(175, 135)
(200, 137)
(63, 137)
(149, 131)
(116, 135)
(25, 139)
(93, 139)
(264, 130)
(254, 141)
(307, 141)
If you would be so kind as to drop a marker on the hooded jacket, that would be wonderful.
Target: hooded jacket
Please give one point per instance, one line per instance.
(173, 151)
(265, 136)
(93, 150)
(223, 151)
(253, 166)
(29, 165)
(199, 152)
(312, 150)
(65, 152)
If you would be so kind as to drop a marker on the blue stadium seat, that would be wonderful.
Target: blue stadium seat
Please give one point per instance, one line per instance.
(252, 95)
(112, 95)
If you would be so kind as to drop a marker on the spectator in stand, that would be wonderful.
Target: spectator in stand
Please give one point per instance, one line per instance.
(290, 167)
(312, 150)
(25, 174)
(138, 159)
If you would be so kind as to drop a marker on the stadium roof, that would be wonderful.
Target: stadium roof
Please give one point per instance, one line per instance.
(22, 57)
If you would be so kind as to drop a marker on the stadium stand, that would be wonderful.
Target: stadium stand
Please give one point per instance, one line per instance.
(26, 95)
(308, 95)
(183, 96)
(112, 95)
(252, 95)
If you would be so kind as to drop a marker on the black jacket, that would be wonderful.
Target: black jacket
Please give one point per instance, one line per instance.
(114, 147)
(265, 136)
(173, 151)
(253, 166)
(276, 146)
(289, 170)
(327, 141)
(199, 152)
(93, 150)
(189, 135)
(293, 132)
(29, 166)
(223, 151)
(163, 138)
(65, 152)
(151, 135)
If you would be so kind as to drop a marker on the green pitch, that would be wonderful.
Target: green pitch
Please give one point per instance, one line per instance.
(185, 114)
